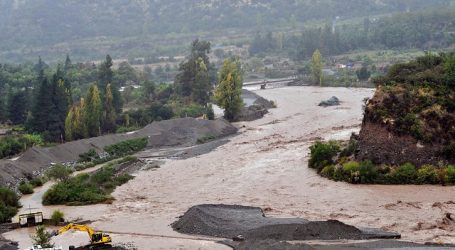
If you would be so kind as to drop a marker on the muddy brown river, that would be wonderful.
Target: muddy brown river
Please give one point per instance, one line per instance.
(265, 165)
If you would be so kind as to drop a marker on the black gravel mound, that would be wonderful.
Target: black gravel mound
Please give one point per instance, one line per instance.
(282, 245)
(229, 221)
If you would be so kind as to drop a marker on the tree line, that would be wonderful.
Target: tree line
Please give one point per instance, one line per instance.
(424, 30)
(49, 103)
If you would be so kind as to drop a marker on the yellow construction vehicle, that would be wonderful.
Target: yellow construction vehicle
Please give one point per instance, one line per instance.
(96, 238)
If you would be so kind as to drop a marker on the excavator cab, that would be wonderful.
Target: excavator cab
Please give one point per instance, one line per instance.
(100, 238)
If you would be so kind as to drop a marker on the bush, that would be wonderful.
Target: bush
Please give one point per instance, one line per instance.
(368, 172)
(322, 154)
(193, 110)
(126, 147)
(427, 175)
(328, 171)
(57, 217)
(351, 172)
(59, 172)
(13, 145)
(9, 204)
(451, 175)
(205, 139)
(123, 129)
(210, 113)
(405, 174)
(25, 188)
(88, 156)
(85, 188)
(37, 182)
(42, 237)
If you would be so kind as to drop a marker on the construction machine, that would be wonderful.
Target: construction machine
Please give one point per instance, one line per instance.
(96, 238)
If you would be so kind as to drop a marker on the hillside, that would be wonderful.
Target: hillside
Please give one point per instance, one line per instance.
(411, 116)
(31, 26)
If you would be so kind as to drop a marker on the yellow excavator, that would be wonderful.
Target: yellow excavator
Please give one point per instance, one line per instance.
(96, 238)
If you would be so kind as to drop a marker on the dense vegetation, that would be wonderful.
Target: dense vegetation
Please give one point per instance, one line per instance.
(13, 145)
(85, 189)
(334, 160)
(138, 27)
(9, 204)
(427, 29)
(418, 99)
(51, 103)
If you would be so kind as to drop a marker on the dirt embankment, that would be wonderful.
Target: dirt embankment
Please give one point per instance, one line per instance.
(381, 146)
(255, 106)
(185, 131)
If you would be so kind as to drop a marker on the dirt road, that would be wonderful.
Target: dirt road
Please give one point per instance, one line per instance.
(266, 166)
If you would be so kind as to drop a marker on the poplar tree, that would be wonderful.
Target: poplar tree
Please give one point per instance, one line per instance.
(109, 115)
(316, 67)
(93, 111)
(229, 90)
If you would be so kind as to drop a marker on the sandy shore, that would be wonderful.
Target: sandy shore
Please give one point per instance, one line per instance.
(265, 165)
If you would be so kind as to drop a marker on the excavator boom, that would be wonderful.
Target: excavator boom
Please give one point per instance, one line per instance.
(96, 238)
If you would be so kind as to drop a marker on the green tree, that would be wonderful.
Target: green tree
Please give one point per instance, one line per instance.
(17, 107)
(42, 237)
(2, 110)
(363, 73)
(228, 92)
(201, 89)
(76, 119)
(93, 111)
(59, 172)
(42, 107)
(105, 77)
(109, 115)
(449, 67)
(69, 124)
(190, 74)
(316, 67)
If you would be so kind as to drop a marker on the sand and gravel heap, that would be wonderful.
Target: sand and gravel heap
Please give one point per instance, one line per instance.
(184, 131)
(378, 244)
(229, 221)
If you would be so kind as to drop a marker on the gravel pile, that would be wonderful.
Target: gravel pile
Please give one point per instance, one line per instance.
(185, 131)
(229, 221)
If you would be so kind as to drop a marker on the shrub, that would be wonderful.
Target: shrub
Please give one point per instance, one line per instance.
(205, 139)
(88, 156)
(13, 145)
(59, 172)
(37, 182)
(451, 175)
(9, 204)
(427, 175)
(351, 171)
(42, 237)
(57, 217)
(210, 113)
(368, 172)
(85, 188)
(193, 110)
(328, 171)
(405, 174)
(123, 129)
(126, 147)
(321, 154)
(25, 188)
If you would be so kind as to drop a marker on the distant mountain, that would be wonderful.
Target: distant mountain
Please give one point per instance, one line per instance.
(25, 24)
